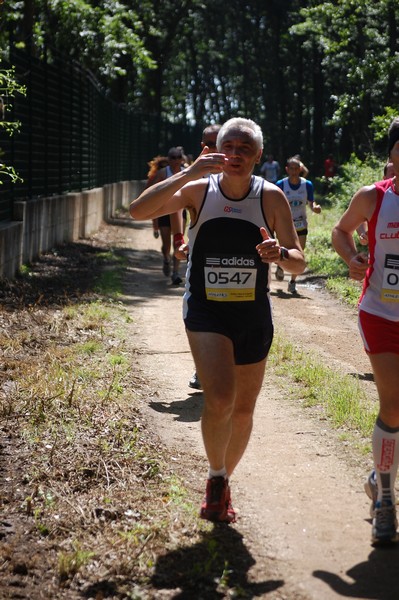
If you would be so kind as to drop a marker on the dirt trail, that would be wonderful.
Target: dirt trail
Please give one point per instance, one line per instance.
(303, 514)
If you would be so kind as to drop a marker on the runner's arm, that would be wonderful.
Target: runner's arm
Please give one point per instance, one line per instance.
(167, 196)
(316, 208)
(359, 210)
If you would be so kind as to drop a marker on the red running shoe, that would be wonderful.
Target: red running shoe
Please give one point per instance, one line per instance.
(216, 505)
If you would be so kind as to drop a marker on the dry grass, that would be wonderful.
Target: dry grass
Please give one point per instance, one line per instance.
(92, 505)
(88, 500)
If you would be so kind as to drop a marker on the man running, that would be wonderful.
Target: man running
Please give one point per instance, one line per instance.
(235, 220)
(378, 205)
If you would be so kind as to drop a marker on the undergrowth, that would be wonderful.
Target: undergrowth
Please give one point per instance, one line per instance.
(91, 480)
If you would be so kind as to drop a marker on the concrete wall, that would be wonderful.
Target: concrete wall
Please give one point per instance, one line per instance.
(41, 224)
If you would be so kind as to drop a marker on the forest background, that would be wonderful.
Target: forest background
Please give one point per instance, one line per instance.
(319, 77)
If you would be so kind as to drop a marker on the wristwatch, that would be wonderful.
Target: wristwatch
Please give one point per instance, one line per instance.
(284, 254)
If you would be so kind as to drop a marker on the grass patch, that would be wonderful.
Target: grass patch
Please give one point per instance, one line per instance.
(347, 290)
(69, 563)
(340, 397)
(109, 281)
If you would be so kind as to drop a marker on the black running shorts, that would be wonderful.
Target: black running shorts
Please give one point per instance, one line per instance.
(251, 337)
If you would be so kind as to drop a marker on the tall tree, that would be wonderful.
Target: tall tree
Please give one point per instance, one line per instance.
(314, 74)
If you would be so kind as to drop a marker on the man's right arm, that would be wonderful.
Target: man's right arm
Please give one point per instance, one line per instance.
(159, 199)
(166, 197)
(359, 210)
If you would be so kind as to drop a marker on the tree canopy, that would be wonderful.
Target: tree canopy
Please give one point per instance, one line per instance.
(319, 77)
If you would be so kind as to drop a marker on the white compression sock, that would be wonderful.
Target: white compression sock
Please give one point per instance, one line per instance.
(386, 459)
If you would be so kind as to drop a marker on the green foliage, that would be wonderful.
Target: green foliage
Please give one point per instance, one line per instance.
(9, 86)
(105, 37)
(351, 37)
(320, 256)
(380, 123)
(194, 61)
(354, 174)
(344, 288)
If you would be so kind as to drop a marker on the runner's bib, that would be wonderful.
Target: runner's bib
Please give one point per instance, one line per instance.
(300, 224)
(230, 278)
(390, 280)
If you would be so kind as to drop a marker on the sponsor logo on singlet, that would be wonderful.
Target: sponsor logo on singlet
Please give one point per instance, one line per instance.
(389, 236)
(230, 209)
(233, 261)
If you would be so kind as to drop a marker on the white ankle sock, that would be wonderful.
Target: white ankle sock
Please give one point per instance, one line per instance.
(219, 473)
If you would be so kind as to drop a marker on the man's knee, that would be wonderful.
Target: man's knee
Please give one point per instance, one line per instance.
(243, 415)
(219, 406)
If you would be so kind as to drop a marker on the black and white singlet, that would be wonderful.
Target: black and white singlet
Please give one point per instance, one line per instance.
(225, 274)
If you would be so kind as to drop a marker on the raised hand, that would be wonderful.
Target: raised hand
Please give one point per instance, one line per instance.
(206, 163)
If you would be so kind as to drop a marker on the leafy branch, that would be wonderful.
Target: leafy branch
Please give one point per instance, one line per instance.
(9, 87)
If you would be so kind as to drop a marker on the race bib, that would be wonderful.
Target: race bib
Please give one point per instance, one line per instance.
(390, 280)
(230, 278)
(299, 224)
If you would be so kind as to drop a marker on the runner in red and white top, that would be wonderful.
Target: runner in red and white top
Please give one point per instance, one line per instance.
(378, 205)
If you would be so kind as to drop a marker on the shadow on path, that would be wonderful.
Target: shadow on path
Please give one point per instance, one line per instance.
(188, 410)
(216, 567)
(363, 376)
(374, 579)
(298, 295)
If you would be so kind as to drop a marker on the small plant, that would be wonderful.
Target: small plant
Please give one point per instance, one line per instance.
(25, 270)
(117, 359)
(95, 314)
(40, 525)
(109, 283)
(90, 347)
(223, 581)
(69, 563)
